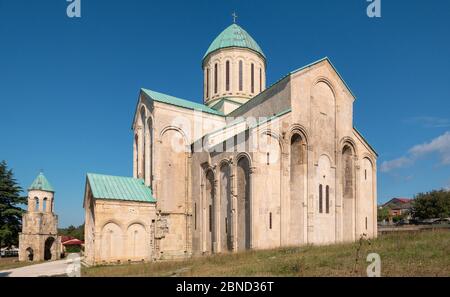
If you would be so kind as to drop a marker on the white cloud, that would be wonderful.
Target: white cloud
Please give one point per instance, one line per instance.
(395, 164)
(439, 145)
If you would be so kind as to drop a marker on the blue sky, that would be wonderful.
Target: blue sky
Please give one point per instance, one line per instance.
(68, 87)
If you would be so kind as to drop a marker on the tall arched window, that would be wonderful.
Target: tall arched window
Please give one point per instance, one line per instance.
(252, 77)
(215, 78)
(227, 75)
(207, 82)
(327, 199)
(320, 199)
(243, 204)
(241, 87)
(36, 204)
(260, 80)
(44, 205)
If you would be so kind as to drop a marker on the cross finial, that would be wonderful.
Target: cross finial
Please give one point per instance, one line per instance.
(234, 15)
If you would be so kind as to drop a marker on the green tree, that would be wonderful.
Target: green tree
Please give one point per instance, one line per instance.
(382, 214)
(434, 204)
(77, 232)
(10, 212)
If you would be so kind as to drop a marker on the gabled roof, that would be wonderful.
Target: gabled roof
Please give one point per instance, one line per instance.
(234, 36)
(288, 75)
(41, 183)
(111, 187)
(164, 98)
(334, 68)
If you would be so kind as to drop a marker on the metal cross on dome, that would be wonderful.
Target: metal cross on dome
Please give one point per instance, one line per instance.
(235, 16)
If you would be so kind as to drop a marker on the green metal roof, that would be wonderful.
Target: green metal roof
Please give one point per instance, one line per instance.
(234, 36)
(160, 97)
(41, 183)
(119, 188)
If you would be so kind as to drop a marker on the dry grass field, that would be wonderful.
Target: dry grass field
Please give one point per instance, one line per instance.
(425, 253)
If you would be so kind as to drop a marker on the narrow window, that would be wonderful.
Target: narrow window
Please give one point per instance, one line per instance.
(195, 216)
(268, 158)
(320, 199)
(207, 83)
(227, 75)
(252, 75)
(260, 80)
(215, 79)
(327, 201)
(226, 225)
(240, 76)
(210, 218)
(44, 205)
(365, 174)
(366, 223)
(36, 204)
(270, 220)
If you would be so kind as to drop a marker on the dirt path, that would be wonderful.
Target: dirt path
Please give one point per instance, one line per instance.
(53, 268)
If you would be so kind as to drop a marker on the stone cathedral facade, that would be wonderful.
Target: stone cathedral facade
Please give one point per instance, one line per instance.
(253, 167)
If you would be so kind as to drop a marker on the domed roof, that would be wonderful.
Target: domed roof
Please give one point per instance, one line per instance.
(41, 183)
(234, 36)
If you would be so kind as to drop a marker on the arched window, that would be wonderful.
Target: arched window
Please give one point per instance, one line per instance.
(36, 204)
(207, 82)
(327, 199)
(252, 78)
(215, 78)
(44, 205)
(243, 204)
(227, 75)
(260, 80)
(241, 87)
(320, 199)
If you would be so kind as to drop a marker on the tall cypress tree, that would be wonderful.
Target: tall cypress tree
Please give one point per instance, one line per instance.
(10, 211)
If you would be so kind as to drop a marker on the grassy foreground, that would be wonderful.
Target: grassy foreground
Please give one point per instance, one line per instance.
(425, 253)
(13, 262)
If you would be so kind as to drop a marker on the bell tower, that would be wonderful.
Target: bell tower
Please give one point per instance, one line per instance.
(39, 238)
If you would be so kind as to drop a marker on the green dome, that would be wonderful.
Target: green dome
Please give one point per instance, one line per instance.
(41, 183)
(234, 36)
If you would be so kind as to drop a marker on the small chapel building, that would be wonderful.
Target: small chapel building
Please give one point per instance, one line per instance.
(253, 167)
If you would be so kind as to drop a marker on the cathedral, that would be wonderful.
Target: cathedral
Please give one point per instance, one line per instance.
(253, 167)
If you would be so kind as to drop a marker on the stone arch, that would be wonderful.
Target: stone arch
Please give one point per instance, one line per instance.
(44, 204)
(30, 253)
(142, 142)
(149, 141)
(323, 116)
(36, 204)
(137, 247)
(210, 210)
(173, 190)
(298, 185)
(367, 196)
(49, 249)
(324, 202)
(111, 245)
(348, 184)
(301, 130)
(243, 207)
(226, 206)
